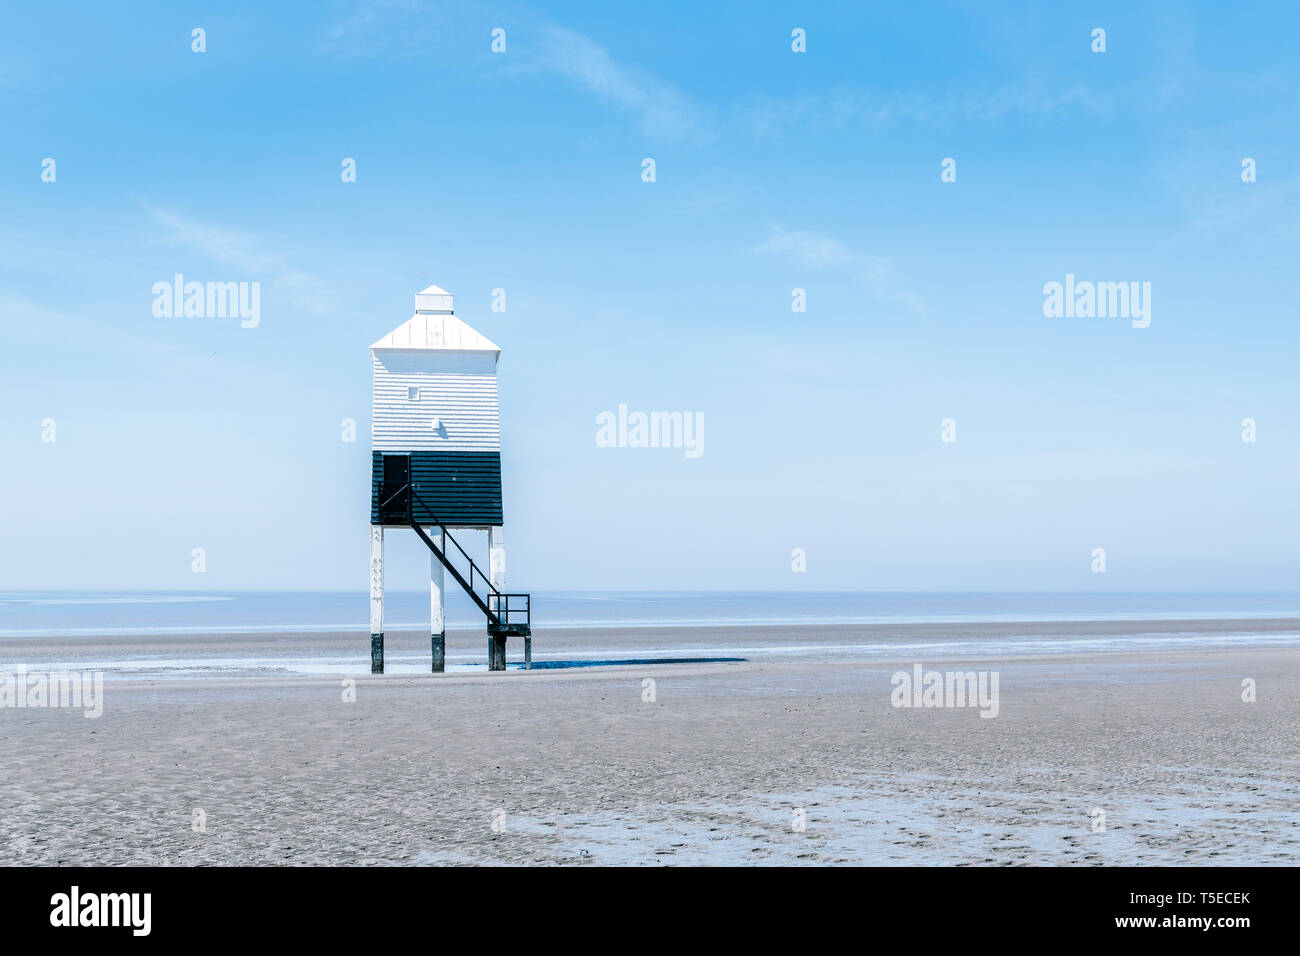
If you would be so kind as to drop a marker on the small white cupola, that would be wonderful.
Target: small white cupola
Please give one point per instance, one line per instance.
(435, 327)
(434, 301)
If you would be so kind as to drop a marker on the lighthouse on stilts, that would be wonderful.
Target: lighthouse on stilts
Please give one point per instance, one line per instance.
(436, 460)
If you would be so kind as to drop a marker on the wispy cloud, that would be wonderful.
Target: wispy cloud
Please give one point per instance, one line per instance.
(1206, 182)
(245, 252)
(96, 331)
(662, 108)
(880, 274)
(844, 107)
(377, 26)
(407, 27)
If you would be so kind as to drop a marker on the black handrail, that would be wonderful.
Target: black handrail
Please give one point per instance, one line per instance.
(447, 536)
(496, 610)
(493, 619)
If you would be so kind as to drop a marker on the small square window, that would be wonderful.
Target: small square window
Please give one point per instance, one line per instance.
(412, 393)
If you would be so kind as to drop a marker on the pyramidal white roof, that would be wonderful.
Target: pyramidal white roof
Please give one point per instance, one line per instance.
(435, 326)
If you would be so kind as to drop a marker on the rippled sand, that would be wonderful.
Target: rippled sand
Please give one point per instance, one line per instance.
(574, 766)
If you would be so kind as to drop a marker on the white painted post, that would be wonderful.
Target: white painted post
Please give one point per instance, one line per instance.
(497, 576)
(437, 615)
(497, 573)
(497, 557)
(376, 599)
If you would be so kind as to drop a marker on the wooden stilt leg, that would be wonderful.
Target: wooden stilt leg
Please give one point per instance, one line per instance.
(497, 574)
(376, 599)
(437, 615)
(496, 652)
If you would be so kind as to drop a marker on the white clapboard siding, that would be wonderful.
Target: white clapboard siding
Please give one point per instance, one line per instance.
(455, 368)
(460, 390)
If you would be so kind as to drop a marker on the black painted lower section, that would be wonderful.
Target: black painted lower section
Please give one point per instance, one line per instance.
(377, 653)
(454, 487)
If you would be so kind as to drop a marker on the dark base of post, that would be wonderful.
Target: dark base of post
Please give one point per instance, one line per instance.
(528, 652)
(377, 653)
(439, 652)
(496, 652)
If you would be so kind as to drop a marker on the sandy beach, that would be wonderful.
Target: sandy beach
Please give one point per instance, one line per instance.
(792, 755)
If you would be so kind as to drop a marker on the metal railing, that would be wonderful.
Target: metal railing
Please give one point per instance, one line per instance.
(504, 609)
(497, 605)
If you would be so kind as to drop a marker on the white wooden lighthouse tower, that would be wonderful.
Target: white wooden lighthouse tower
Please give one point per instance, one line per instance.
(436, 467)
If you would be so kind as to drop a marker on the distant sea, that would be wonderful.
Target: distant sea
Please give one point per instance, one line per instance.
(88, 613)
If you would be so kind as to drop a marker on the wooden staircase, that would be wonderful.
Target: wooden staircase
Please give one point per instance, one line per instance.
(508, 614)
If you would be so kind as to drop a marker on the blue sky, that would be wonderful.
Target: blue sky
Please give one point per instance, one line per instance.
(774, 170)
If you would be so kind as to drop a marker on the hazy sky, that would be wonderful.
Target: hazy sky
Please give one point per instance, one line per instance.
(775, 170)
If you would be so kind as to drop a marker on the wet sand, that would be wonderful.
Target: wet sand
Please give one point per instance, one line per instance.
(576, 766)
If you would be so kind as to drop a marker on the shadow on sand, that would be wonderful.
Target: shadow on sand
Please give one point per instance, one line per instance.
(626, 662)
